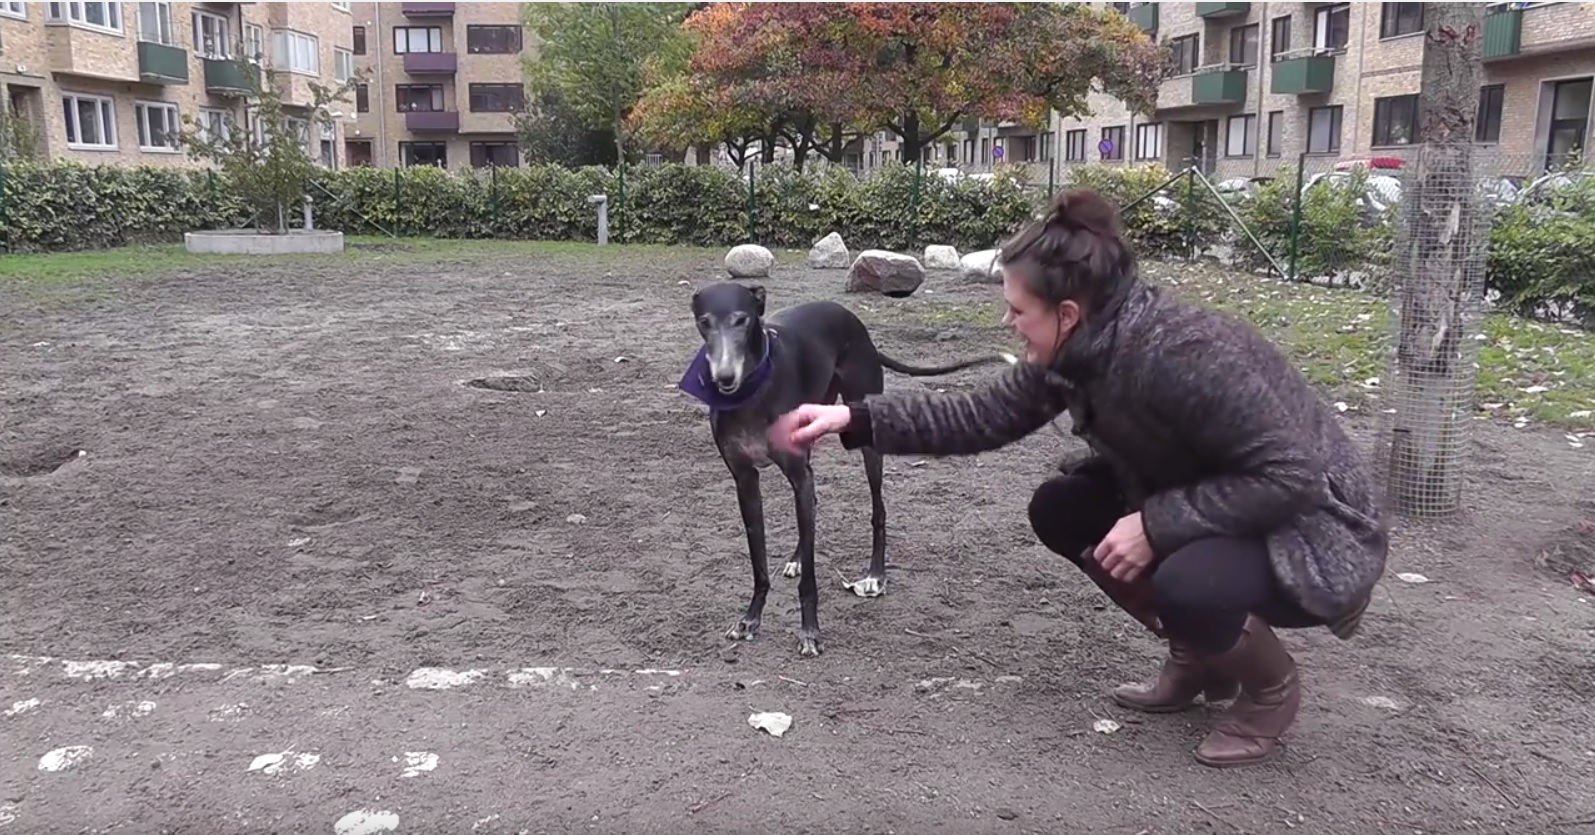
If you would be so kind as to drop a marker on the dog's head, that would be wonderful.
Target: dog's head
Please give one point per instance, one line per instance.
(730, 318)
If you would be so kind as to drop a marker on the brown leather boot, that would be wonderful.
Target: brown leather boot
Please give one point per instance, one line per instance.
(1250, 730)
(1184, 676)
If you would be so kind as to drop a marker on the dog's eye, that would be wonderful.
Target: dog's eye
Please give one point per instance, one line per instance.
(738, 320)
(703, 322)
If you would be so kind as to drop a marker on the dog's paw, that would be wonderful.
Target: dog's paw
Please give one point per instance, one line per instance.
(809, 646)
(867, 586)
(743, 631)
(793, 568)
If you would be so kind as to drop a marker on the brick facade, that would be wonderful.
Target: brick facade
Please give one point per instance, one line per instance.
(439, 53)
(43, 61)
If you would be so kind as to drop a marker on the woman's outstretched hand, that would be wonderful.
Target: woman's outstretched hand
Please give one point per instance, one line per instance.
(806, 424)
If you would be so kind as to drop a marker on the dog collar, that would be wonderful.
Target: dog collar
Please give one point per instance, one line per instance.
(697, 383)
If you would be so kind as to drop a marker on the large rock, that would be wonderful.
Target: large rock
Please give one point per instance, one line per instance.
(829, 253)
(941, 258)
(749, 261)
(887, 273)
(981, 267)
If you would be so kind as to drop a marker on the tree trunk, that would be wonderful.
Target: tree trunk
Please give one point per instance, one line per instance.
(1443, 264)
(912, 144)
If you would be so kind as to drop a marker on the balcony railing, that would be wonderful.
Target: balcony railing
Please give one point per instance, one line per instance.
(1302, 73)
(430, 63)
(1503, 33)
(427, 9)
(162, 64)
(1221, 84)
(432, 121)
(1212, 10)
(224, 77)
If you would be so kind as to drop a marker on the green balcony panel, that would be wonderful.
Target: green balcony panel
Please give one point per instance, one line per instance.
(225, 77)
(1302, 76)
(1503, 34)
(1145, 16)
(1222, 9)
(1224, 87)
(162, 64)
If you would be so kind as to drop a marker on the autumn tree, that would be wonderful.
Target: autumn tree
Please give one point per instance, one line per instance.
(918, 69)
(596, 55)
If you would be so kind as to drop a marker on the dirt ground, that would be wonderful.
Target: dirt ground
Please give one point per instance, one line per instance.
(281, 466)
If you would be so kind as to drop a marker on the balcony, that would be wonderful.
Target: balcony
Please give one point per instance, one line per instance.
(1302, 75)
(1218, 86)
(1145, 16)
(427, 9)
(1211, 11)
(162, 64)
(430, 63)
(224, 77)
(432, 121)
(1503, 34)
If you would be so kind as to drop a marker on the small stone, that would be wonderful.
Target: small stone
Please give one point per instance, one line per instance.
(408, 475)
(749, 261)
(1007, 814)
(941, 258)
(829, 253)
(576, 519)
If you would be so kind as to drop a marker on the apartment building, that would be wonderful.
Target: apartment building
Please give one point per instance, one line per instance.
(442, 84)
(108, 83)
(1260, 83)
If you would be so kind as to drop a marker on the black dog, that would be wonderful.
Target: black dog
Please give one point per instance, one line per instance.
(751, 370)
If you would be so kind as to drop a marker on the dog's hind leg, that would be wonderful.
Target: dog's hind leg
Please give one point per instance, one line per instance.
(873, 583)
(751, 503)
(801, 475)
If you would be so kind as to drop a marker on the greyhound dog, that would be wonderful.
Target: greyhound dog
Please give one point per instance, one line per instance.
(753, 368)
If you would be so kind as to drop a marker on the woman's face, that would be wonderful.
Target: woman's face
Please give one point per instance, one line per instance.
(1041, 326)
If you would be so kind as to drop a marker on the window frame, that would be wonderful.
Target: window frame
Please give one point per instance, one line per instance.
(1337, 117)
(1117, 142)
(1321, 31)
(145, 130)
(1276, 119)
(472, 147)
(165, 19)
(434, 40)
(1248, 125)
(357, 40)
(1481, 119)
(226, 52)
(106, 113)
(14, 9)
(1142, 131)
(436, 96)
(1278, 46)
(1388, 22)
(63, 13)
(1176, 46)
(340, 58)
(1256, 31)
(472, 90)
(1069, 154)
(1387, 108)
(443, 160)
(476, 28)
(289, 40)
(205, 127)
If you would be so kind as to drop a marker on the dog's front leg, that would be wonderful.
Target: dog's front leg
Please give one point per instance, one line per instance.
(801, 475)
(752, 505)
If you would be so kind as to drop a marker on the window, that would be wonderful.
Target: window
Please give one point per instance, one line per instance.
(1487, 126)
(1570, 102)
(1074, 146)
(484, 154)
(985, 149)
(215, 125)
(481, 39)
(1332, 27)
(362, 98)
(1112, 146)
(1279, 37)
(14, 8)
(1276, 132)
(1243, 45)
(90, 122)
(417, 39)
(1240, 135)
(496, 98)
(1397, 19)
(1148, 141)
(342, 64)
(295, 52)
(418, 97)
(155, 23)
(329, 145)
(359, 40)
(1323, 130)
(1048, 141)
(342, 7)
(424, 153)
(158, 125)
(211, 37)
(1186, 53)
(1395, 120)
(254, 42)
(106, 16)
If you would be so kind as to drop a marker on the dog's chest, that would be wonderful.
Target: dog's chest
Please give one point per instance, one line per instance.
(748, 443)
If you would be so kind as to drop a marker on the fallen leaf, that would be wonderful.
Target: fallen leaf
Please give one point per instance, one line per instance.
(1409, 577)
(1105, 726)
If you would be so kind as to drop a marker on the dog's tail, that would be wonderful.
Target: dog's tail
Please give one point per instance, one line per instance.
(931, 371)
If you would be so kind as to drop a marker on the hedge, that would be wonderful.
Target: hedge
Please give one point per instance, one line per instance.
(68, 206)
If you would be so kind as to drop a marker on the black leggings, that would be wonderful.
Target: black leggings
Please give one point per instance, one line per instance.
(1203, 592)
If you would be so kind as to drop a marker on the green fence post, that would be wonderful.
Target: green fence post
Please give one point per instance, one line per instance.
(620, 208)
(1295, 215)
(398, 218)
(5, 239)
(1190, 213)
(493, 192)
(1052, 178)
(913, 222)
(753, 207)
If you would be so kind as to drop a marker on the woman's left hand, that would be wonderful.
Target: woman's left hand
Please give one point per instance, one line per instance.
(1124, 553)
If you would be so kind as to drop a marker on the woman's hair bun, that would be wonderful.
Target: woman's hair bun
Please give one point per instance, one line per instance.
(1085, 210)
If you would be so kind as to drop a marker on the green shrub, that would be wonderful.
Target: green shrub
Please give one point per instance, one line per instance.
(1540, 256)
(1168, 223)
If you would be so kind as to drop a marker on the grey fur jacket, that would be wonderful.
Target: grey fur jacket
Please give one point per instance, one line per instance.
(1208, 428)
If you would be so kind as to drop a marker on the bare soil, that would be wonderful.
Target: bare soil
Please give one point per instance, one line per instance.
(282, 463)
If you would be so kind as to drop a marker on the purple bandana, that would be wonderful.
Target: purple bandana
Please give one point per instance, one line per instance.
(697, 383)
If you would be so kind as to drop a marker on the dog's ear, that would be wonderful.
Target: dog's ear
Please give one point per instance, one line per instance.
(758, 298)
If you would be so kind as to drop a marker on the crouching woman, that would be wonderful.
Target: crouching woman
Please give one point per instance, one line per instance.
(1220, 500)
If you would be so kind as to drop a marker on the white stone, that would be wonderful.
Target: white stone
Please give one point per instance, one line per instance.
(887, 273)
(981, 267)
(19, 708)
(129, 709)
(366, 822)
(542, 677)
(829, 253)
(749, 261)
(437, 678)
(941, 258)
(90, 670)
(62, 759)
(285, 761)
(418, 762)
